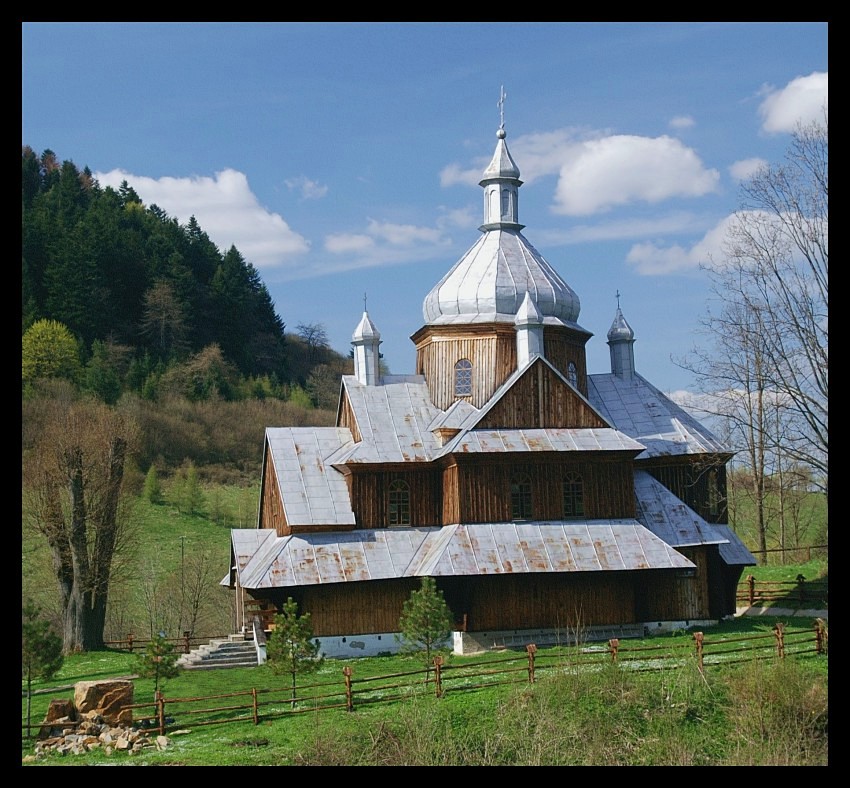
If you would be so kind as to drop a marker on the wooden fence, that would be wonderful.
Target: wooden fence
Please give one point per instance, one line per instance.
(255, 705)
(182, 644)
(802, 592)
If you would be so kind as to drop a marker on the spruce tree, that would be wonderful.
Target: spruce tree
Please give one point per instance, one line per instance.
(426, 621)
(291, 648)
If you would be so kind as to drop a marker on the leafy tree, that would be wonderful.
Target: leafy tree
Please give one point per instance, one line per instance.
(153, 487)
(186, 492)
(291, 648)
(101, 377)
(426, 621)
(159, 661)
(41, 650)
(74, 498)
(49, 350)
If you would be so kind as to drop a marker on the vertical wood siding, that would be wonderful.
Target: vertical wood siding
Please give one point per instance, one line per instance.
(540, 399)
(673, 596)
(479, 491)
(272, 513)
(370, 496)
(690, 480)
(346, 419)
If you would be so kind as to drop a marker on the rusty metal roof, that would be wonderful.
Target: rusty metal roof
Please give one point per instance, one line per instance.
(455, 550)
(393, 420)
(552, 439)
(641, 411)
(312, 492)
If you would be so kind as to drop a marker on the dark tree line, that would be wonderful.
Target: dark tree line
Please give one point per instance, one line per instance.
(121, 275)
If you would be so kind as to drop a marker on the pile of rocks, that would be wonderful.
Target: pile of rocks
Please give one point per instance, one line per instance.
(65, 736)
(100, 716)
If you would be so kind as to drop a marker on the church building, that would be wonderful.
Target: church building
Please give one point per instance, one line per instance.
(550, 505)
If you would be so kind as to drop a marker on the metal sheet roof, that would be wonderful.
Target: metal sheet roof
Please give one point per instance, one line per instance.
(491, 279)
(641, 411)
(393, 420)
(312, 492)
(680, 526)
(455, 550)
(552, 439)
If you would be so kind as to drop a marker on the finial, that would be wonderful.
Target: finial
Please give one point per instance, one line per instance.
(364, 302)
(501, 105)
(618, 298)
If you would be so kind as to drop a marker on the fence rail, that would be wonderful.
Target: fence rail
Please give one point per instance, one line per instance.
(799, 591)
(185, 643)
(166, 714)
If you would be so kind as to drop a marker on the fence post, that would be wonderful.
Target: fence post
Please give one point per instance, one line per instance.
(349, 698)
(438, 676)
(801, 588)
(186, 634)
(532, 650)
(130, 642)
(160, 712)
(821, 637)
(254, 702)
(751, 590)
(613, 648)
(779, 632)
(699, 639)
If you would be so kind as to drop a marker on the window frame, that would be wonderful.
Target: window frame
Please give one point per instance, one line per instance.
(398, 503)
(522, 501)
(463, 378)
(572, 496)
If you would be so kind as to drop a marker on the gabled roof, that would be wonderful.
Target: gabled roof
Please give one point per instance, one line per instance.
(516, 375)
(641, 411)
(550, 439)
(312, 492)
(455, 550)
(680, 526)
(393, 419)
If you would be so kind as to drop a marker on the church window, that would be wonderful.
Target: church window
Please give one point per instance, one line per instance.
(463, 378)
(573, 495)
(399, 503)
(521, 497)
(572, 373)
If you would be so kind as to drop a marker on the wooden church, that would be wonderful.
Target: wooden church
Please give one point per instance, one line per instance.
(549, 505)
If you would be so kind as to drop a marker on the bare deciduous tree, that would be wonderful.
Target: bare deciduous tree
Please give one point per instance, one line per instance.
(73, 497)
(766, 363)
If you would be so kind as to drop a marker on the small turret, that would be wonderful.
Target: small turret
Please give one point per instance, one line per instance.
(366, 341)
(621, 340)
(529, 332)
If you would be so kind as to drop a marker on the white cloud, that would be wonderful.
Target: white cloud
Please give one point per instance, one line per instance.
(802, 100)
(309, 190)
(746, 168)
(673, 223)
(226, 209)
(347, 243)
(622, 169)
(464, 218)
(654, 259)
(403, 234)
(682, 122)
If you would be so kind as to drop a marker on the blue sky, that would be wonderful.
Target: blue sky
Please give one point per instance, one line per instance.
(342, 158)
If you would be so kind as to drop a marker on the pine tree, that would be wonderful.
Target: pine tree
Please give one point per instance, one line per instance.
(426, 621)
(291, 648)
(158, 662)
(153, 487)
(41, 650)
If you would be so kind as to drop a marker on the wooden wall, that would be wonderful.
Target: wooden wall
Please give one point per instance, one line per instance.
(540, 399)
(477, 489)
(690, 479)
(561, 346)
(346, 418)
(369, 495)
(271, 507)
(676, 596)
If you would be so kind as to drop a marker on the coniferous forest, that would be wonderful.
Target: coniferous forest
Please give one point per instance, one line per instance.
(121, 301)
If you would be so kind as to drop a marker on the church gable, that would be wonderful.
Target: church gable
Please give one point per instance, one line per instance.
(539, 398)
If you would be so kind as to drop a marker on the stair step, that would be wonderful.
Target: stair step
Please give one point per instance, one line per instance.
(221, 653)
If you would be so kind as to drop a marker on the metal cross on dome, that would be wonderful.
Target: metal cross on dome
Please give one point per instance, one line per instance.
(501, 105)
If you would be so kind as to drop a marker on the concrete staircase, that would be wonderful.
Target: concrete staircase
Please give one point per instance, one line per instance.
(233, 651)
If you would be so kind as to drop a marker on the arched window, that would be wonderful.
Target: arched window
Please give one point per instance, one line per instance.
(572, 373)
(463, 378)
(521, 497)
(398, 508)
(573, 495)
